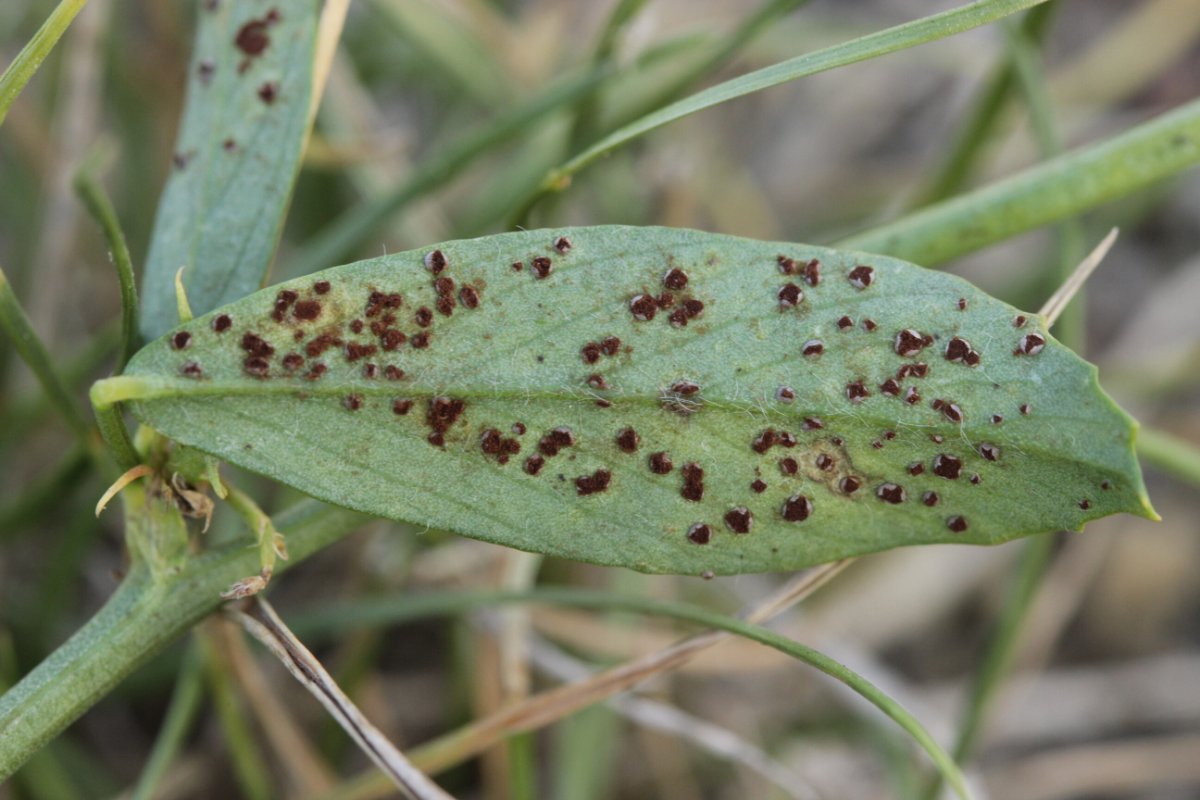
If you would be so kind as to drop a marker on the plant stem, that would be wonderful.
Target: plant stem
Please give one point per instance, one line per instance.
(32, 54)
(1049, 192)
(142, 617)
(1175, 456)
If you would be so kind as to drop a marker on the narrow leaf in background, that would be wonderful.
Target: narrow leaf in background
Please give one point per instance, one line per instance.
(250, 86)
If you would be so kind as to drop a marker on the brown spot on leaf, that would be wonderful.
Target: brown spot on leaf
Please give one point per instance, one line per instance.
(562, 244)
(660, 463)
(989, 451)
(590, 353)
(435, 262)
(533, 464)
(856, 391)
(796, 508)
(739, 520)
(813, 347)
(469, 297)
(947, 466)
(420, 340)
(222, 323)
(758, 486)
(293, 362)
(861, 277)
(541, 267)
(401, 406)
(870, 325)
(675, 279)
(812, 272)
(643, 307)
(845, 322)
(268, 92)
(890, 387)
(957, 523)
(598, 481)
(787, 266)
(307, 310)
(181, 340)
(190, 369)
(628, 440)
(352, 402)
(693, 482)
(610, 345)
(930, 499)
(1030, 345)
(908, 342)
(699, 533)
(321, 287)
(788, 466)
(891, 493)
(916, 468)
(790, 296)
(785, 394)
(255, 345)
(849, 484)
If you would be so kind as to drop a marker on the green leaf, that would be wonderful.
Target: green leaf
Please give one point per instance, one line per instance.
(236, 156)
(266, 385)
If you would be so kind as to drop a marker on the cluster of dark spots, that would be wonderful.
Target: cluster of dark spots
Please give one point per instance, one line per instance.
(660, 463)
(957, 523)
(947, 466)
(628, 440)
(562, 244)
(230, 145)
(1030, 345)
(591, 352)
(962, 304)
(517, 266)
(1085, 504)
(258, 351)
(675, 279)
(492, 443)
(293, 362)
(917, 370)
(421, 340)
(891, 493)
(435, 262)
(758, 486)
(370, 371)
(222, 323)
(598, 481)
(355, 351)
(909, 342)
(785, 394)
(444, 286)
(812, 272)
(845, 322)
(769, 438)
(813, 347)
(959, 349)
(441, 414)
(870, 325)
(469, 297)
(392, 339)
(788, 466)
(401, 406)
(856, 391)
(181, 340)
(205, 70)
(951, 410)
(321, 343)
(533, 465)
(690, 309)
(1019, 321)
(739, 519)
(556, 440)
(315, 372)
(825, 462)
(681, 397)
(890, 387)
(191, 369)
(699, 534)
(930, 499)
(997, 419)
(541, 267)
(916, 468)
(861, 277)
(1025, 409)
(989, 451)
(321, 287)
(796, 508)
(268, 92)
(379, 302)
(912, 396)
(283, 301)
(812, 424)
(352, 402)
(790, 295)
(849, 484)
(518, 428)
(693, 482)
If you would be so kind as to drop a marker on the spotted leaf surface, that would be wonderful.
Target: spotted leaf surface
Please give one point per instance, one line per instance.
(236, 155)
(662, 399)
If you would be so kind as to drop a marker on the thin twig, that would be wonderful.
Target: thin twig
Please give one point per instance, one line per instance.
(1058, 301)
(261, 621)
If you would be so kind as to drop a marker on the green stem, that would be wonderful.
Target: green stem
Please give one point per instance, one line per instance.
(1175, 456)
(449, 750)
(19, 329)
(100, 207)
(31, 56)
(181, 713)
(115, 434)
(881, 43)
(1051, 191)
(141, 618)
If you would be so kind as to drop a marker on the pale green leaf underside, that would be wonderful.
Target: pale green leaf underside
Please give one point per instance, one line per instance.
(236, 155)
(517, 360)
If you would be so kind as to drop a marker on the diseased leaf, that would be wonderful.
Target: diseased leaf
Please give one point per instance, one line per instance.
(667, 400)
(236, 156)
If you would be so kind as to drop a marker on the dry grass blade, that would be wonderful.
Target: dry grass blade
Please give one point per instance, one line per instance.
(128, 477)
(555, 704)
(1058, 301)
(261, 621)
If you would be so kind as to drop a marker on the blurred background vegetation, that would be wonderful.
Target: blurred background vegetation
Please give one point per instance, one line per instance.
(1104, 700)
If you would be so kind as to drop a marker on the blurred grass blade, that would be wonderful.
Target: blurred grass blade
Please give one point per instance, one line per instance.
(18, 73)
(1173, 455)
(181, 713)
(87, 186)
(873, 45)
(546, 397)
(19, 330)
(250, 86)
(1051, 191)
